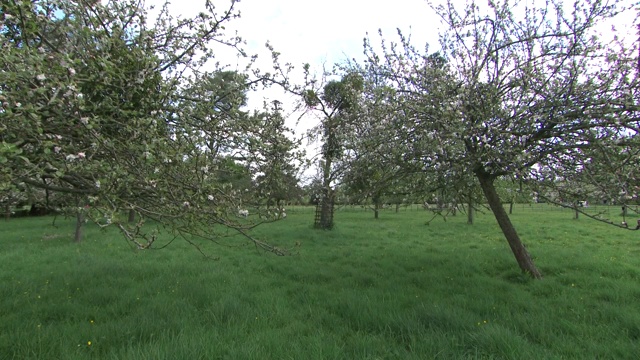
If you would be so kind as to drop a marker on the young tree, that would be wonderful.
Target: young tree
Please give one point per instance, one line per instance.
(276, 182)
(525, 92)
(370, 157)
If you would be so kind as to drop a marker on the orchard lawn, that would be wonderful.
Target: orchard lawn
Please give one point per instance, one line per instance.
(392, 288)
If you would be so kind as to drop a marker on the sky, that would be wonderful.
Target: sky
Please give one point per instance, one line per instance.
(321, 31)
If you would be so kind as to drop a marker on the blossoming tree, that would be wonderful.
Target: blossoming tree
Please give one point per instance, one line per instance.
(532, 93)
(93, 101)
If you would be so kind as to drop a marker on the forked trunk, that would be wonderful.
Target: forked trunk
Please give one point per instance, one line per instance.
(517, 247)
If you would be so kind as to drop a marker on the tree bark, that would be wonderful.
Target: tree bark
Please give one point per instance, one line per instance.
(377, 205)
(517, 247)
(132, 216)
(511, 207)
(79, 222)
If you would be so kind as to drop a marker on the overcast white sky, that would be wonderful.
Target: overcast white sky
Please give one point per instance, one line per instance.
(317, 31)
(331, 30)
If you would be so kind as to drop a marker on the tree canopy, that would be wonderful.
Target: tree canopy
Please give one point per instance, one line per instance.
(119, 111)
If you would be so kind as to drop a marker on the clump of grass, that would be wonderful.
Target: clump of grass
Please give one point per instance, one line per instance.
(391, 288)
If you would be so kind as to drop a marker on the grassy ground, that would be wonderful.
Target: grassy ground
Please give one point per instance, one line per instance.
(394, 288)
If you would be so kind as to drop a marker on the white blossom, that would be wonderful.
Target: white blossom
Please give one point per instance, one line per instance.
(98, 184)
(210, 197)
(72, 71)
(41, 77)
(18, 104)
(70, 157)
(84, 120)
(56, 149)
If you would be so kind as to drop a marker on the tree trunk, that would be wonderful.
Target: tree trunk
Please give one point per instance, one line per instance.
(7, 213)
(79, 222)
(577, 213)
(511, 207)
(326, 212)
(517, 247)
(470, 213)
(377, 205)
(132, 216)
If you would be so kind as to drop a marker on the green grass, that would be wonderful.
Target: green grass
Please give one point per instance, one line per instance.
(394, 288)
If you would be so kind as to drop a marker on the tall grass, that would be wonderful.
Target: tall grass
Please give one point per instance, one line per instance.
(392, 288)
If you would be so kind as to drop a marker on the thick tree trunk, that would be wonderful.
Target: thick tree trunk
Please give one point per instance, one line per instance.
(517, 247)
(79, 222)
